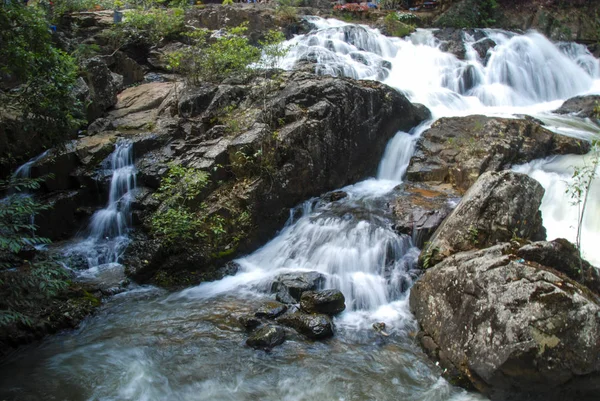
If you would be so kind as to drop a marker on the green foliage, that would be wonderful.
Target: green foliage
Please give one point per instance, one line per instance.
(84, 51)
(227, 2)
(579, 188)
(147, 27)
(470, 14)
(286, 10)
(41, 77)
(174, 220)
(33, 281)
(395, 27)
(16, 228)
(273, 49)
(231, 53)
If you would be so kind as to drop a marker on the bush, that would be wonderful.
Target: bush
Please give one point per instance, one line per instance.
(231, 53)
(147, 27)
(394, 27)
(469, 14)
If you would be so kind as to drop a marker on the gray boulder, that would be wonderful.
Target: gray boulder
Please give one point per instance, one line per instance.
(329, 302)
(583, 106)
(271, 310)
(512, 329)
(498, 207)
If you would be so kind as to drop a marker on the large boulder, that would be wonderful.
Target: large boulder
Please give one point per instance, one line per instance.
(329, 302)
(499, 207)
(508, 327)
(103, 86)
(457, 150)
(582, 106)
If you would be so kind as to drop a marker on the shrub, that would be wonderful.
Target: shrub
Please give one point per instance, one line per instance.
(394, 27)
(147, 27)
(231, 53)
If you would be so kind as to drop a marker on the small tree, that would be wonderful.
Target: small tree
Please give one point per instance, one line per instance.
(583, 178)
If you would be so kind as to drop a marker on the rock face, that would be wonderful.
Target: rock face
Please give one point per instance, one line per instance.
(138, 107)
(313, 326)
(329, 302)
(582, 106)
(510, 328)
(266, 337)
(457, 150)
(498, 207)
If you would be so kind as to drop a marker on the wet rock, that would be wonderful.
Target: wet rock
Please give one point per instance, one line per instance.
(266, 337)
(313, 326)
(335, 196)
(452, 41)
(271, 310)
(289, 287)
(329, 302)
(510, 328)
(498, 207)
(249, 322)
(482, 47)
(582, 106)
(421, 208)
(457, 150)
(103, 85)
(563, 256)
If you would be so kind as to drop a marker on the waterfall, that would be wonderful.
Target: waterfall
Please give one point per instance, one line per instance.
(107, 231)
(24, 171)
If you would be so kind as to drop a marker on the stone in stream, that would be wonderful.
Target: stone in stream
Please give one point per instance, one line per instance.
(249, 322)
(289, 287)
(582, 106)
(313, 326)
(271, 310)
(266, 337)
(329, 302)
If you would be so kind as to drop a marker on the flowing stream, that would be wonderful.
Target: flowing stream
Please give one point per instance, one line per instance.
(146, 344)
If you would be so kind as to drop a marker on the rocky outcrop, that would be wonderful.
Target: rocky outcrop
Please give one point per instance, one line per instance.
(582, 106)
(511, 328)
(329, 302)
(458, 150)
(498, 207)
(267, 151)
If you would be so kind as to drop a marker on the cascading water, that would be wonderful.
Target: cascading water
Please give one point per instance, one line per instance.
(107, 231)
(187, 345)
